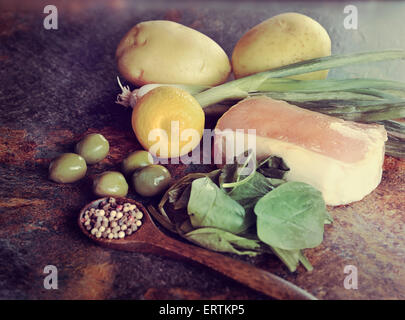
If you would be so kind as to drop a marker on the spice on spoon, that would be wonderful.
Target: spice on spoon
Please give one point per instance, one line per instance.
(112, 219)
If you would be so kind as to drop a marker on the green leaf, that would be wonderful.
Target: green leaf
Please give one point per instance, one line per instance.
(249, 193)
(239, 172)
(178, 195)
(182, 200)
(273, 167)
(305, 262)
(328, 218)
(210, 206)
(175, 192)
(223, 241)
(291, 258)
(248, 189)
(291, 217)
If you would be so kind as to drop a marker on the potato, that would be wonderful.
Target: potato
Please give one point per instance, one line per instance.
(281, 40)
(167, 52)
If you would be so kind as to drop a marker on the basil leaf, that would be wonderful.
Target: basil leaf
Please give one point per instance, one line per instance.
(210, 206)
(223, 241)
(291, 217)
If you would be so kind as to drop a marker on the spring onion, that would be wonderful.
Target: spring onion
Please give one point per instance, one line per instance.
(394, 128)
(395, 148)
(362, 99)
(239, 89)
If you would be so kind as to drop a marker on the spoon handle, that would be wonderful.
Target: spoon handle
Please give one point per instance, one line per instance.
(240, 271)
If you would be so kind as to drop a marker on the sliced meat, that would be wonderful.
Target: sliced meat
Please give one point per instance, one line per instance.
(342, 159)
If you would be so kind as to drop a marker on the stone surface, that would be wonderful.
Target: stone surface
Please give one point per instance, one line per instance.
(58, 85)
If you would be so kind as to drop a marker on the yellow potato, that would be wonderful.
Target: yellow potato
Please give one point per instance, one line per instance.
(281, 40)
(167, 52)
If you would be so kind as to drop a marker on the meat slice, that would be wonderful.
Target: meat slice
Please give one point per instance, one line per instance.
(342, 159)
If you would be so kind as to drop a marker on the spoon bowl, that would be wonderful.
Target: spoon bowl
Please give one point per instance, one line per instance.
(140, 239)
(148, 238)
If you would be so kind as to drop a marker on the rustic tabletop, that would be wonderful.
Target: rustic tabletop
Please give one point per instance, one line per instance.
(58, 85)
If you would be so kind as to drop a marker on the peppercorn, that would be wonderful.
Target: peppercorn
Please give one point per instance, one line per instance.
(112, 219)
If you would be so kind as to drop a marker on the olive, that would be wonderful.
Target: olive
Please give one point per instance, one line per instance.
(93, 148)
(110, 183)
(136, 160)
(151, 180)
(68, 167)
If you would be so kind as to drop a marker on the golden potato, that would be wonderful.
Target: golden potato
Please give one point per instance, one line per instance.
(167, 52)
(281, 40)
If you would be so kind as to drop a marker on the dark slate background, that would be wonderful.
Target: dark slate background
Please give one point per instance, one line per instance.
(58, 84)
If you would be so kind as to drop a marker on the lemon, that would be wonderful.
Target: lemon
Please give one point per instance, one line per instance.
(168, 122)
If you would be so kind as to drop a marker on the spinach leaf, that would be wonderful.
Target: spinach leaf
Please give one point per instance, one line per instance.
(273, 167)
(178, 194)
(210, 206)
(239, 172)
(292, 258)
(221, 203)
(328, 218)
(223, 241)
(291, 217)
(182, 200)
(247, 189)
(250, 192)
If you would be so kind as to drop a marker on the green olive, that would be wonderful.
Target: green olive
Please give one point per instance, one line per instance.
(67, 168)
(151, 180)
(136, 160)
(93, 148)
(110, 183)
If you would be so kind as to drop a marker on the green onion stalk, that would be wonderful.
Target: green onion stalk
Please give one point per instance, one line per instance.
(240, 88)
(359, 99)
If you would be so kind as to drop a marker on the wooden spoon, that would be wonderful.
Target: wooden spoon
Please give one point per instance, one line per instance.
(148, 238)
